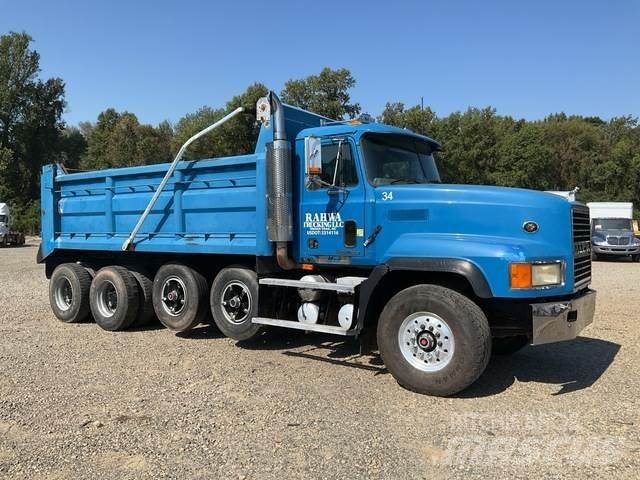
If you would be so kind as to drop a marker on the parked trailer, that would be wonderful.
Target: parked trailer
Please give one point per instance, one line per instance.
(8, 237)
(334, 227)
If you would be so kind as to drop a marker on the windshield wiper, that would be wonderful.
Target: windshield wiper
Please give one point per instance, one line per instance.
(405, 180)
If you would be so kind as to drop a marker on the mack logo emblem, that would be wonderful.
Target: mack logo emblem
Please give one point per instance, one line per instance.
(581, 248)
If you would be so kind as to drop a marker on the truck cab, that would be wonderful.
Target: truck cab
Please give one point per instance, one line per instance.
(8, 237)
(612, 233)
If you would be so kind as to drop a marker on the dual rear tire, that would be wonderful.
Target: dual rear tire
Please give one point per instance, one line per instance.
(180, 297)
(116, 297)
(119, 298)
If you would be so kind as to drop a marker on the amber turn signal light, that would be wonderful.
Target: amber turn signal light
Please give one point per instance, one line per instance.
(520, 275)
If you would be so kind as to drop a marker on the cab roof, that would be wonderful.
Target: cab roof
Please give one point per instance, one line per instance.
(362, 128)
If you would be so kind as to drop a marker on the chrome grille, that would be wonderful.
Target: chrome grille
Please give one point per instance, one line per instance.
(581, 226)
(618, 240)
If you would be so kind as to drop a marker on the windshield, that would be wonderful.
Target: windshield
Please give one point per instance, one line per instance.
(3, 219)
(397, 159)
(611, 224)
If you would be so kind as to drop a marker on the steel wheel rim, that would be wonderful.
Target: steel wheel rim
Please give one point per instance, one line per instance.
(426, 341)
(63, 294)
(174, 296)
(107, 299)
(236, 302)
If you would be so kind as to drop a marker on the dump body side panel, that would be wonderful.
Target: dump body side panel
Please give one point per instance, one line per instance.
(208, 206)
(213, 206)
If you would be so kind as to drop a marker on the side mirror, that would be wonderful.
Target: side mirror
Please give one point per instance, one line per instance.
(313, 156)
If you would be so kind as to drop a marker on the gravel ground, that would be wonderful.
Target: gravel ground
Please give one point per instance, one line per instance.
(79, 402)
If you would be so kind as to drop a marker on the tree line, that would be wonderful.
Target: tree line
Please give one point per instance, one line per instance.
(480, 146)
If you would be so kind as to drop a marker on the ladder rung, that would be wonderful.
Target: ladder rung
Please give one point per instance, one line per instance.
(309, 327)
(285, 282)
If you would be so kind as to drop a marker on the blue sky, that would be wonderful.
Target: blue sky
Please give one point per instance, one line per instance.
(162, 59)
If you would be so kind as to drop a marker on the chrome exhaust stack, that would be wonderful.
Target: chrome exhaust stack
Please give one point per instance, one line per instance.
(279, 182)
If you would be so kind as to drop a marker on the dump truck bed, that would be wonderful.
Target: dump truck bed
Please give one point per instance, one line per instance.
(212, 206)
(208, 206)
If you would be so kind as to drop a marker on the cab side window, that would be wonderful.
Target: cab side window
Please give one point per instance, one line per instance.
(346, 176)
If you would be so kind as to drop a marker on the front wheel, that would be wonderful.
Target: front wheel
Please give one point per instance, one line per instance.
(635, 258)
(434, 340)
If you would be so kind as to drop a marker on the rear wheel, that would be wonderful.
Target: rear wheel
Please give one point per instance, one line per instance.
(114, 298)
(234, 302)
(69, 292)
(145, 285)
(509, 345)
(179, 297)
(434, 340)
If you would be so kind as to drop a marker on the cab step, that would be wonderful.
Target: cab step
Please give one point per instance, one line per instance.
(309, 327)
(285, 282)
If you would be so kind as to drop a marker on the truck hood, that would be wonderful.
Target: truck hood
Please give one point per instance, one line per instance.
(486, 220)
(480, 223)
(480, 209)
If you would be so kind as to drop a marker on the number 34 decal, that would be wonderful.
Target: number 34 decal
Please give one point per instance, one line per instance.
(387, 196)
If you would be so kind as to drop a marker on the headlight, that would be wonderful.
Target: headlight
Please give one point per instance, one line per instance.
(530, 275)
(599, 240)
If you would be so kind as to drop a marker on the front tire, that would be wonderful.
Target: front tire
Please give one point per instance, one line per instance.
(234, 302)
(114, 298)
(179, 297)
(69, 292)
(434, 340)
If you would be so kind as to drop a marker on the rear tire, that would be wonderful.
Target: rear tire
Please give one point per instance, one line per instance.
(509, 345)
(114, 298)
(69, 293)
(179, 297)
(234, 303)
(434, 340)
(146, 312)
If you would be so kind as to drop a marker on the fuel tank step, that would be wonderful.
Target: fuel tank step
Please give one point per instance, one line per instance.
(274, 322)
(285, 282)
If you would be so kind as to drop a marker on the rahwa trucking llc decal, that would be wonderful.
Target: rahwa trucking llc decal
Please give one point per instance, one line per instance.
(322, 223)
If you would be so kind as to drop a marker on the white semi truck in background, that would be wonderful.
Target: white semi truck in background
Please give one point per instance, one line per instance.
(612, 230)
(7, 237)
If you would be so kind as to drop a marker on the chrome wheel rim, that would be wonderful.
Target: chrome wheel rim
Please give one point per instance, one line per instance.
(236, 302)
(426, 341)
(107, 299)
(174, 294)
(63, 294)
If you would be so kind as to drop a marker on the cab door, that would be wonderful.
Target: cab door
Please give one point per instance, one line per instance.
(332, 206)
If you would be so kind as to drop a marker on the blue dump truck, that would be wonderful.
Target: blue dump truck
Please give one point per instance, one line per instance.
(342, 228)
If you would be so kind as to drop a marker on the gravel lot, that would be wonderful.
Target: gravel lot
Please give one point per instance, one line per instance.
(79, 402)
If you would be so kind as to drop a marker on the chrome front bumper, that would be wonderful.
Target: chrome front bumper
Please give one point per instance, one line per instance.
(615, 249)
(564, 320)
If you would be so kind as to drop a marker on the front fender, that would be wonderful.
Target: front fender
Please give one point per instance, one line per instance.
(491, 255)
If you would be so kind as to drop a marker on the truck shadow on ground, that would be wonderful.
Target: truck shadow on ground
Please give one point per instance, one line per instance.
(572, 365)
(317, 347)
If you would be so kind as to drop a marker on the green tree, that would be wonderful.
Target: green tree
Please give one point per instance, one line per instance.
(238, 136)
(326, 94)
(119, 140)
(30, 122)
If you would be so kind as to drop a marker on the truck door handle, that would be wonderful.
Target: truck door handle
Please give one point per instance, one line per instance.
(373, 236)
